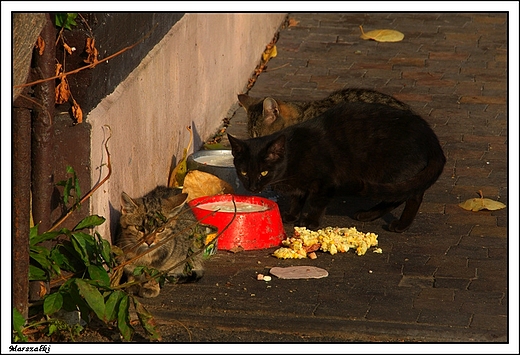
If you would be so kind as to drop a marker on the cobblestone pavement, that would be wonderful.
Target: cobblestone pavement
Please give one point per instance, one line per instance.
(443, 280)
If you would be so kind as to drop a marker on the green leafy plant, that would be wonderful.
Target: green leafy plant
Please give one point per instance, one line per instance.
(84, 275)
(85, 265)
(84, 272)
(66, 20)
(72, 183)
(18, 326)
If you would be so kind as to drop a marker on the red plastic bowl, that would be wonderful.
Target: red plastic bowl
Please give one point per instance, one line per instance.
(250, 229)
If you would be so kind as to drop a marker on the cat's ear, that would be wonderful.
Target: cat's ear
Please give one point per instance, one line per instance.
(271, 110)
(237, 147)
(276, 150)
(127, 204)
(246, 101)
(174, 204)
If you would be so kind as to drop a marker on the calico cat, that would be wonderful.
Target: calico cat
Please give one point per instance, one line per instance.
(268, 115)
(162, 224)
(372, 150)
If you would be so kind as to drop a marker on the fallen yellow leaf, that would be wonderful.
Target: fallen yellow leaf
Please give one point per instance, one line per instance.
(177, 175)
(269, 53)
(292, 22)
(199, 183)
(382, 35)
(477, 204)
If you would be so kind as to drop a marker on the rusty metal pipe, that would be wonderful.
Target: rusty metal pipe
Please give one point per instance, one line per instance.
(21, 184)
(42, 142)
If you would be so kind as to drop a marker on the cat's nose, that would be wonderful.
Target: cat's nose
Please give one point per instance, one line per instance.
(149, 239)
(254, 188)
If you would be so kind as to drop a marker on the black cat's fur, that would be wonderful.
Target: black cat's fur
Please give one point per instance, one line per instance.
(368, 149)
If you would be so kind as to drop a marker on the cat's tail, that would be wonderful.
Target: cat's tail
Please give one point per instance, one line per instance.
(403, 190)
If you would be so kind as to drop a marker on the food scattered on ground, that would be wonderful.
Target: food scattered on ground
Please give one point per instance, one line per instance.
(299, 272)
(330, 239)
(262, 277)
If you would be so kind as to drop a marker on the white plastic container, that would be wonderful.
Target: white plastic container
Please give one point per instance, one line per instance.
(218, 162)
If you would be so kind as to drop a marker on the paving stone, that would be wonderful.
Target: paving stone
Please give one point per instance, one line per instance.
(484, 308)
(451, 283)
(416, 281)
(488, 284)
(440, 299)
(446, 277)
(491, 231)
(392, 309)
(443, 316)
(490, 322)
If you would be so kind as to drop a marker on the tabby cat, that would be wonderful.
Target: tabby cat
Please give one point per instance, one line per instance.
(268, 115)
(373, 150)
(162, 224)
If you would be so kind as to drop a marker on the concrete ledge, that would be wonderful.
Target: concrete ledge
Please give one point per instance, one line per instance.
(190, 78)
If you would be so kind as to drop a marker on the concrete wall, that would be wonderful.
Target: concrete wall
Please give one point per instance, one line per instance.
(190, 78)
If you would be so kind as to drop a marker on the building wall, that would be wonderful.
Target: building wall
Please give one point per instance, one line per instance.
(190, 78)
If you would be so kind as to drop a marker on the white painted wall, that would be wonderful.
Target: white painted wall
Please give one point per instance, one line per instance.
(190, 78)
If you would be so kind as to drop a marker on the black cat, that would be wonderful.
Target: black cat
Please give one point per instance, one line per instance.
(368, 149)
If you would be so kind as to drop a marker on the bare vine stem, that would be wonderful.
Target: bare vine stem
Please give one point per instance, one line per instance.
(97, 186)
(92, 65)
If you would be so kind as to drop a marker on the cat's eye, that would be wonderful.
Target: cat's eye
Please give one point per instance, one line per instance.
(160, 230)
(243, 173)
(139, 228)
(264, 173)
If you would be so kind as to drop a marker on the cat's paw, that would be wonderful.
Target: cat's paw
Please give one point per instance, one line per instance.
(181, 278)
(289, 218)
(196, 275)
(396, 226)
(366, 216)
(310, 224)
(150, 289)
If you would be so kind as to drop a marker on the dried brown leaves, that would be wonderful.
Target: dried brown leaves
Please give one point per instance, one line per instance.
(269, 52)
(91, 50)
(62, 92)
(40, 45)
